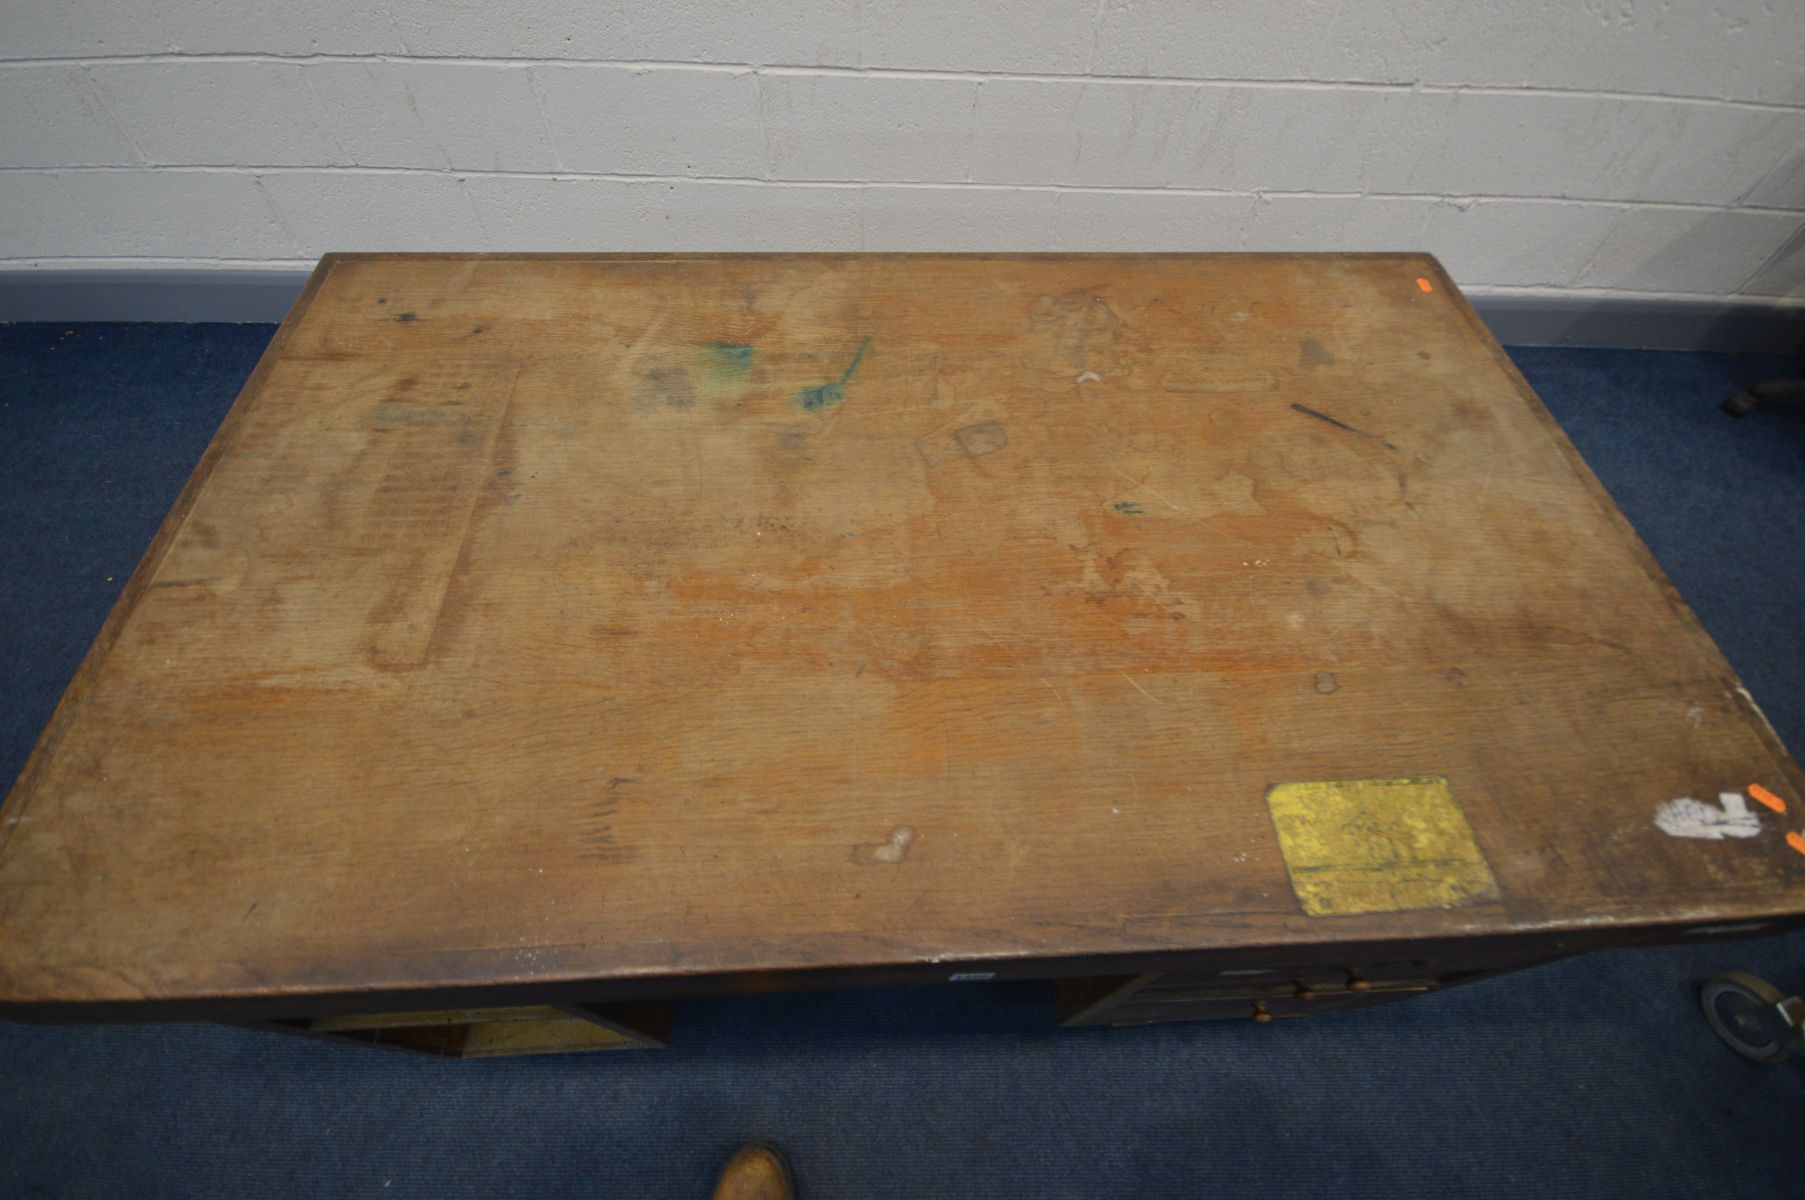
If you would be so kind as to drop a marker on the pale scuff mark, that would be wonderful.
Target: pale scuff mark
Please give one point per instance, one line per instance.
(1090, 58)
(971, 130)
(889, 852)
(426, 131)
(1689, 818)
(1137, 687)
(1744, 693)
(1142, 484)
(545, 121)
(93, 92)
(1724, 930)
(1088, 376)
(764, 134)
(329, 127)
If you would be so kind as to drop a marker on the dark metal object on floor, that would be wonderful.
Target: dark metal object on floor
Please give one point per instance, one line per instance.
(1786, 391)
(1753, 1018)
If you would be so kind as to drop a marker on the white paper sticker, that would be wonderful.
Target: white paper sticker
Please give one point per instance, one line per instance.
(1689, 818)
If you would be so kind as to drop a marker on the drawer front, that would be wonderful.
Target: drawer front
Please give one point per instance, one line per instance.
(1301, 981)
(1223, 1008)
(1274, 983)
(1218, 996)
(1342, 975)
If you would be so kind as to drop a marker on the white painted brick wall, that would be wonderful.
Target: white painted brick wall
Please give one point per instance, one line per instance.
(654, 122)
(907, 218)
(1664, 249)
(419, 210)
(442, 116)
(187, 214)
(1303, 222)
(1638, 146)
(867, 127)
(1100, 220)
(1518, 243)
(52, 116)
(1784, 274)
(535, 213)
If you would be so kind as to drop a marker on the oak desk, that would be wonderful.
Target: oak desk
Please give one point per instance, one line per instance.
(545, 636)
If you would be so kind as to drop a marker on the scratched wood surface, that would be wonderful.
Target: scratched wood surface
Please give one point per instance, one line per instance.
(589, 618)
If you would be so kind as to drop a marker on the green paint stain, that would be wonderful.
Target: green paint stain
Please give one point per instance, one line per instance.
(826, 395)
(728, 358)
(1127, 508)
(721, 371)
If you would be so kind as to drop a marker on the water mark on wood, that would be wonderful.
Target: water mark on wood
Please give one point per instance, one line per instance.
(987, 437)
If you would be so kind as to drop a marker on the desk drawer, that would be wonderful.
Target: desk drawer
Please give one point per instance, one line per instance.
(1153, 1011)
(1146, 999)
(1268, 984)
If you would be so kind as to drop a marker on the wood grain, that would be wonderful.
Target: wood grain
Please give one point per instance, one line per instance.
(591, 620)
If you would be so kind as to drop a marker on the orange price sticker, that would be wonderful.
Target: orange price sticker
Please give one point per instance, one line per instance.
(1424, 284)
(1796, 841)
(1761, 794)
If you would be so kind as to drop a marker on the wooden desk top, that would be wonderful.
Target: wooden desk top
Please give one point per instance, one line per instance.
(539, 620)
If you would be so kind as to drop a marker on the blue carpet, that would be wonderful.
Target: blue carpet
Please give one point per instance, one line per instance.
(1594, 1077)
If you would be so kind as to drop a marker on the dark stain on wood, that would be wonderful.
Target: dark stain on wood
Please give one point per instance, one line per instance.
(1343, 425)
